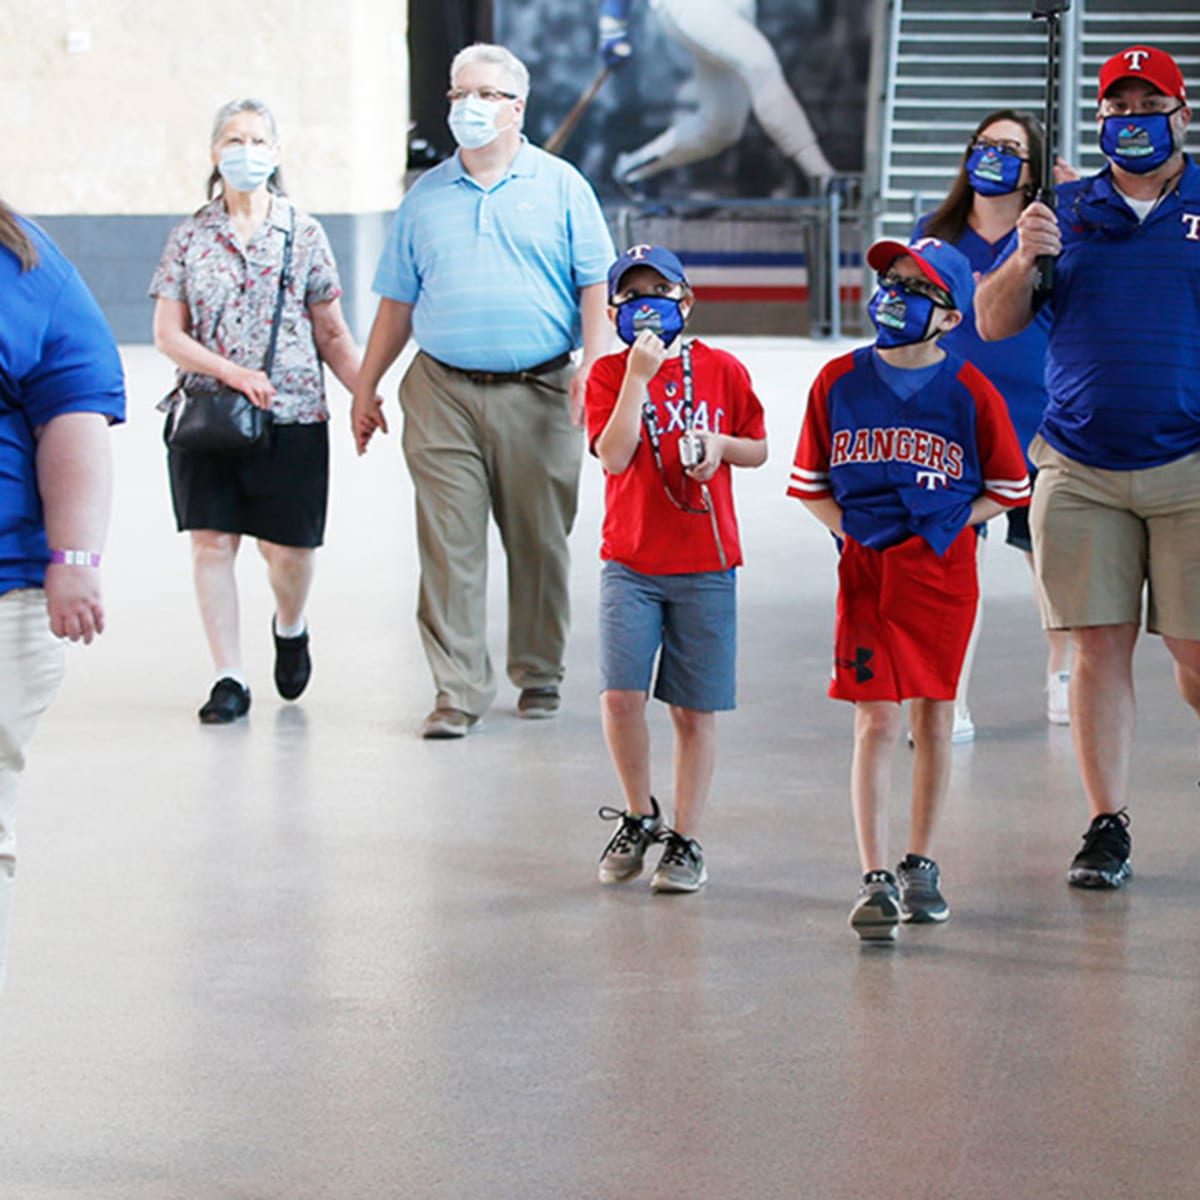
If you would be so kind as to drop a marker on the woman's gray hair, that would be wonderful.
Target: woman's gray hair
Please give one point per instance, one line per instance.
(515, 71)
(225, 114)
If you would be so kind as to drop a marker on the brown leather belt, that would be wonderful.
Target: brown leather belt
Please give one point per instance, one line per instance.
(525, 376)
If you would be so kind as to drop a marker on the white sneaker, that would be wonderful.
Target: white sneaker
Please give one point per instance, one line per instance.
(1058, 703)
(963, 731)
(964, 727)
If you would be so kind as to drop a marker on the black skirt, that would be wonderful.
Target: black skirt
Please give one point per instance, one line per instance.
(279, 495)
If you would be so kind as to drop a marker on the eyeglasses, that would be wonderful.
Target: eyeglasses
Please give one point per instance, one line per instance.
(919, 287)
(487, 94)
(1004, 145)
(1144, 106)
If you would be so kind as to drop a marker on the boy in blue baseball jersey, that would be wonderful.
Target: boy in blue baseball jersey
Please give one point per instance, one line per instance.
(904, 451)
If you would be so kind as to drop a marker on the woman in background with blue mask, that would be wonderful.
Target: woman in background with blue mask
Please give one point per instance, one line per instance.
(1000, 173)
(216, 289)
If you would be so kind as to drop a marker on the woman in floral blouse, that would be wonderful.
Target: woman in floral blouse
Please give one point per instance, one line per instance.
(216, 288)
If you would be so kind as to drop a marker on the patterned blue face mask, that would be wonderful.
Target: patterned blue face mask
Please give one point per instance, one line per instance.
(994, 172)
(662, 314)
(901, 317)
(1138, 143)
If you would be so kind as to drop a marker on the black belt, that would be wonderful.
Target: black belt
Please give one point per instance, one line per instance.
(482, 377)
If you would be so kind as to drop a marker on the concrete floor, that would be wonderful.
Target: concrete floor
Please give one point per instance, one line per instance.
(311, 956)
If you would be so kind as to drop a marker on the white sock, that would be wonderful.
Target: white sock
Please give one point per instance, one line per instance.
(290, 631)
(235, 673)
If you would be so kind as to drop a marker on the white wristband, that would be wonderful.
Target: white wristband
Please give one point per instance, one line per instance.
(75, 558)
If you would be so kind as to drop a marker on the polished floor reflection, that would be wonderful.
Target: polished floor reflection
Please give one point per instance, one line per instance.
(311, 956)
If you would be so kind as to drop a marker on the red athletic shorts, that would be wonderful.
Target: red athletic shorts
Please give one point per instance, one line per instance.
(904, 619)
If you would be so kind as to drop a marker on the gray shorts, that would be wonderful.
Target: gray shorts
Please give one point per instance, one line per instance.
(1100, 538)
(692, 619)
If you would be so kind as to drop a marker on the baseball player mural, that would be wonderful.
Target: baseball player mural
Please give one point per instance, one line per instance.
(723, 99)
(736, 71)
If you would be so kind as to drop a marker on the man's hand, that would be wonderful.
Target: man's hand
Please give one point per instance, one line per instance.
(1038, 233)
(615, 47)
(73, 598)
(577, 393)
(366, 416)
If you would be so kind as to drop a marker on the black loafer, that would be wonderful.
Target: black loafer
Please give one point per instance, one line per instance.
(293, 664)
(227, 701)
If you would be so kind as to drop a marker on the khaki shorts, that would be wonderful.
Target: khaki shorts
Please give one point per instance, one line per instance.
(1099, 537)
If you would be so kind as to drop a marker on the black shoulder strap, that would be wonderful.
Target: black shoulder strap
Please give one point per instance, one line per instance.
(284, 273)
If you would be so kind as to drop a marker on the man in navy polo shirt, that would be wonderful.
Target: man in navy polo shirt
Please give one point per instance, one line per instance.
(496, 266)
(1116, 508)
(61, 384)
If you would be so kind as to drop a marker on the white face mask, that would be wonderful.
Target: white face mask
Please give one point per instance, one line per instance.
(245, 167)
(473, 122)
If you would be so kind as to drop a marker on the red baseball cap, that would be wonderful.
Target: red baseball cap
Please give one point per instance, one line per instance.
(1152, 66)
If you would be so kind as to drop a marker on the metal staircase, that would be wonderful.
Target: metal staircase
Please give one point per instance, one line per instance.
(942, 66)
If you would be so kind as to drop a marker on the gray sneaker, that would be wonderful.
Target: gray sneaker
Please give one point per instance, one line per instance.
(623, 856)
(875, 916)
(681, 868)
(921, 902)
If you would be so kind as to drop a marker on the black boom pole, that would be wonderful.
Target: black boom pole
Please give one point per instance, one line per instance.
(1049, 11)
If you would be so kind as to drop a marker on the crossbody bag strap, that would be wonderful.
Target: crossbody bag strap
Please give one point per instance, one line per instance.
(284, 272)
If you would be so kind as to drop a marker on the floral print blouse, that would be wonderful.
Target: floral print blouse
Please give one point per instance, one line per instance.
(231, 290)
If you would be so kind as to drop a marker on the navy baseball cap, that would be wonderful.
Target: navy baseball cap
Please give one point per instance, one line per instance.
(940, 263)
(658, 257)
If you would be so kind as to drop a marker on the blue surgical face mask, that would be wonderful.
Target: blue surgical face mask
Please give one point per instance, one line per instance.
(473, 122)
(662, 314)
(993, 172)
(244, 168)
(901, 317)
(1138, 143)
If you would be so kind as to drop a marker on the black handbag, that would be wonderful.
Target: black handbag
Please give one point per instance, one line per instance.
(210, 418)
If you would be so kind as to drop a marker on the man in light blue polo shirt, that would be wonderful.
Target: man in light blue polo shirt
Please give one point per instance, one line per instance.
(496, 264)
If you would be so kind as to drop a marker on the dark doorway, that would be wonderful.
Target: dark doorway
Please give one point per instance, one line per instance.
(436, 32)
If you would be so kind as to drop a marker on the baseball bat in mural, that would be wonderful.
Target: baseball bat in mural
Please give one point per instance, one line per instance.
(566, 127)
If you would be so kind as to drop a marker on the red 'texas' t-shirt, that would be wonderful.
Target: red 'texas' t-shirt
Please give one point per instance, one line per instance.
(642, 527)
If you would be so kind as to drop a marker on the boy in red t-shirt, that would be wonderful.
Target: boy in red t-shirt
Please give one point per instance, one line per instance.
(667, 419)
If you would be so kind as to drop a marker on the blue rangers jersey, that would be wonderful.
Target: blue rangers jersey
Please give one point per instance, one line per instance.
(899, 467)
(1123, 369)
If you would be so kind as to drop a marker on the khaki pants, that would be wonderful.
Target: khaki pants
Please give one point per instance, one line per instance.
(509, 450)
(32, 660)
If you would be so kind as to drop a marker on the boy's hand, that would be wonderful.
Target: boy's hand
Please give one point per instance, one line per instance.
(646, 355)
(714, 448)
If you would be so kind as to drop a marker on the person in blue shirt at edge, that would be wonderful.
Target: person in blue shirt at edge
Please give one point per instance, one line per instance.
(61, 386)
(496, 264)
(1000, 173)
(1117, 505)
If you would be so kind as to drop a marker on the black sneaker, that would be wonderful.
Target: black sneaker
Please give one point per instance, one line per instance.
(227, 701)
(626, 851)
(1104, 860)
(875, 916)
(921, 902)
(293, 664)
(681, 868)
